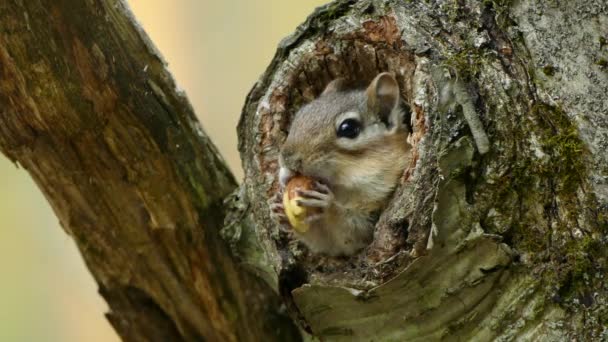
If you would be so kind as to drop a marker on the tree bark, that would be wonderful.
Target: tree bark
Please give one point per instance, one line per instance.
(89, 110)
(496, 232)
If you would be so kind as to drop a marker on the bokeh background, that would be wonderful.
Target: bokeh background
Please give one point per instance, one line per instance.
(216, 51)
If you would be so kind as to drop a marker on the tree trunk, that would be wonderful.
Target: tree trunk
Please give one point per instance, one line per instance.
(496, 232)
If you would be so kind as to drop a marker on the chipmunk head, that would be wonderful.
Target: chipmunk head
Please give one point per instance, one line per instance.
(349, 139)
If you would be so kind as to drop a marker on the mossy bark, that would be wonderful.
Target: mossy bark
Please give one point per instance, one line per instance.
(497, 230)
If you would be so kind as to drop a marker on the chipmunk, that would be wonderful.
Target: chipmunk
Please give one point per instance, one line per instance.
(354, 144)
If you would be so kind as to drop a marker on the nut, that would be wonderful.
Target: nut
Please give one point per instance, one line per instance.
(297, 214)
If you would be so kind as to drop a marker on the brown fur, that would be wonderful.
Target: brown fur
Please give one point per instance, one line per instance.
(361, 173)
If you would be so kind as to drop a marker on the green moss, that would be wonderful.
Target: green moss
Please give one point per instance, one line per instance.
(549, 70)
(565, 164)
(500, 6)
(561, 141)
(466, 63)
(547, 190)
(527, 238)
(454, 10)
(502, 10)
(602, 219)
(603, 42)
(574, 258)
(539, 197)
(602, 62)
(580, 259)
(497, 4)
(334, 10)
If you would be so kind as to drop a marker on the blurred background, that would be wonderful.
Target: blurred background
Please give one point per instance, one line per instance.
(216, 51)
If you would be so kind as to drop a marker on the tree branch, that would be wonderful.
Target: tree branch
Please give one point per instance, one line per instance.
(89, 110)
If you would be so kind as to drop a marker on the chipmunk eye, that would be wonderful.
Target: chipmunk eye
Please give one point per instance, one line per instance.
(349, 128)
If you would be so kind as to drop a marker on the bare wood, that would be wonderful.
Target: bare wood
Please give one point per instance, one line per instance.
(89, 110)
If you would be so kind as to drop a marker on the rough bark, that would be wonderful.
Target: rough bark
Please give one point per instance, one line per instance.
(89, 110)
(498, 228)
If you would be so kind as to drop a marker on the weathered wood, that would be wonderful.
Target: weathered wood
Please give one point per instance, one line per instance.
(89, 110)
(498, 229)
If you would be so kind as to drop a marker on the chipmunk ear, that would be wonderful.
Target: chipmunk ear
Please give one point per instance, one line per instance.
(383, 96)
(337, 85)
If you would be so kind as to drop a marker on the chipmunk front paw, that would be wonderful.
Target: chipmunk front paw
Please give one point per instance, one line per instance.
(320, 197)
